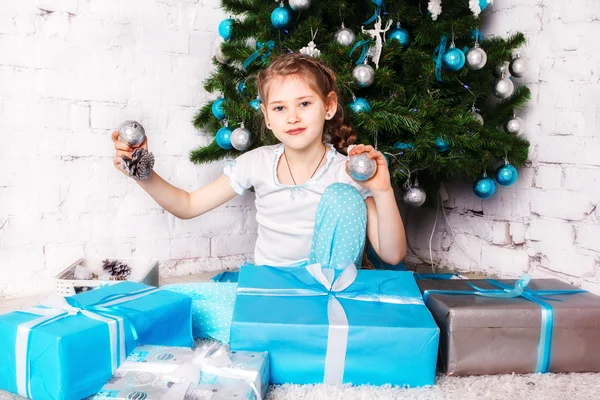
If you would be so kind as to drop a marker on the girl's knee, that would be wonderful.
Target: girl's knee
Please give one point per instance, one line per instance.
(343, 199)
(343, 191)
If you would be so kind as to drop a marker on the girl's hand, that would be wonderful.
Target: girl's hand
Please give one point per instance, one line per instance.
(123, 149)
(381, 180)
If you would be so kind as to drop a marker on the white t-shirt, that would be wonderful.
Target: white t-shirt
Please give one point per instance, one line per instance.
(285, 213)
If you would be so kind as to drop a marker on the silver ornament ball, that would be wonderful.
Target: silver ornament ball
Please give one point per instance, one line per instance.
(132, 133)
(415, 196)
(475, 58)
(241, 139)
(299, 5)
(503, 88)
(361, 167)
(364, 75)
(476, 116)
(517, 67)
(345, 36)
(223, 59)
(514, 126)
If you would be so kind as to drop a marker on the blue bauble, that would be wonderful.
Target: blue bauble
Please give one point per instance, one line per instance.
(401, 35)
(224, 138)
(241, 87)
(441, 145)
(404, 146)
(453, 59)
(218, 110)
(281, 17)
(255, 103)
(359, 105)
(484, 187)
(225, 28)
(506, 175)
(483, 4)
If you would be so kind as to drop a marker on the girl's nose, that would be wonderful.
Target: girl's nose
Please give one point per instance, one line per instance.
(293, 116)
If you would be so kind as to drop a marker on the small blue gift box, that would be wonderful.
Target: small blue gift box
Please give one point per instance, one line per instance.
(68, 347)
(323, 325)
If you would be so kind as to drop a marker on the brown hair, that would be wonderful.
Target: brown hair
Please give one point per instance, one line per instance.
(320, 78)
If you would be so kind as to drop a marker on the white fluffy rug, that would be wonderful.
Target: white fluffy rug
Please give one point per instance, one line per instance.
(511, 387)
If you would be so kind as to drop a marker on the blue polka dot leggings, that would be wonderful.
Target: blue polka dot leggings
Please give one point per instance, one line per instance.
(340, 227)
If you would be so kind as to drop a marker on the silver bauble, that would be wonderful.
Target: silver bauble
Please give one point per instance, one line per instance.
(503, 88)
(345, 36)
(517, 67)
(241, 139)
(299, 5)
(476, 116)
(361, 167)
(500, 68)
(475, 58)
(415, 196)
(223, 59)
(514, 126)
(364, 75)
(132, 133)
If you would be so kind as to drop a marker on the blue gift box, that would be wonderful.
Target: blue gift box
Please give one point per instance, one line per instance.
(67, 348)
(359, 327)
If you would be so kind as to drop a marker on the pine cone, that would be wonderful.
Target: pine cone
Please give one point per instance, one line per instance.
(118, 269)
(139, 165)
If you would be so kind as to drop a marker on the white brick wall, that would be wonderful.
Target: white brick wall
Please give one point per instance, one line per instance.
(552, 211)
(72, 70)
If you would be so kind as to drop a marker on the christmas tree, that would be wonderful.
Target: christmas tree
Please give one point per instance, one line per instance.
(417, 78)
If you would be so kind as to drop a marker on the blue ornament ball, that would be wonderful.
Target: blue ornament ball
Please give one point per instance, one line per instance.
(401, 35)
(483, 4)
(224, 138)
(241, 87)
(360, 105)
(404, 146)
(225, 28)
(218, 110)
(441, 145)
(506, 175)
(453, 59)
(281, 17)
(255, 103)
(484, 187)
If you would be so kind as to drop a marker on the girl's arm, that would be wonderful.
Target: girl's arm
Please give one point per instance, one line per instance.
(177, 201)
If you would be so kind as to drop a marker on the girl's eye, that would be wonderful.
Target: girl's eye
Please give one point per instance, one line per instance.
(278, 108)
(305, 103)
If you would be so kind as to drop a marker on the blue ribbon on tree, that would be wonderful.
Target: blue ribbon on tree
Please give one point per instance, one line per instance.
(438, 53)
(261, 47)
(365, 50)
(520, 289)
(379, 4)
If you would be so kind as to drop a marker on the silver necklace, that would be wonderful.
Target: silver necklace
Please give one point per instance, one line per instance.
(314, 172)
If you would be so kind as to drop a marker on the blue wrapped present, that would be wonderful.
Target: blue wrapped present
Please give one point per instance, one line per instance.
(68, 347)
(323, 325)
(212, 307)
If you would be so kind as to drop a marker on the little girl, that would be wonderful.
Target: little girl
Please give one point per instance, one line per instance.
(309, 209)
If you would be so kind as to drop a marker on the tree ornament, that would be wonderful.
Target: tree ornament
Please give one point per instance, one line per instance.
(375, 52)
(403, 146)
(503, 87)
(364, 74)
(299, 5)
(345, 36)
(517, 66)
(221, 58)
(241, 87)
(225, 28)
(255, 104)
(514, 126)
(453, 58)
(475, 58)
(360, 105)
(132, 133)
(415, 196)
(484, 187)
(477, 6)
(361, 167)
(442, 145)
(217, 108)
(281, 17)
(139, 165)
(224, 138)
(311, 48)
(399, 34)
(435, 8)
(241, 138)
(476, 116)
(506, 174)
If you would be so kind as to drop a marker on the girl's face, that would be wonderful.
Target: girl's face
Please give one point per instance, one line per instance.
(296, 113)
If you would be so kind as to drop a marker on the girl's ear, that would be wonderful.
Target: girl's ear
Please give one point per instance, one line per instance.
(331, 104)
